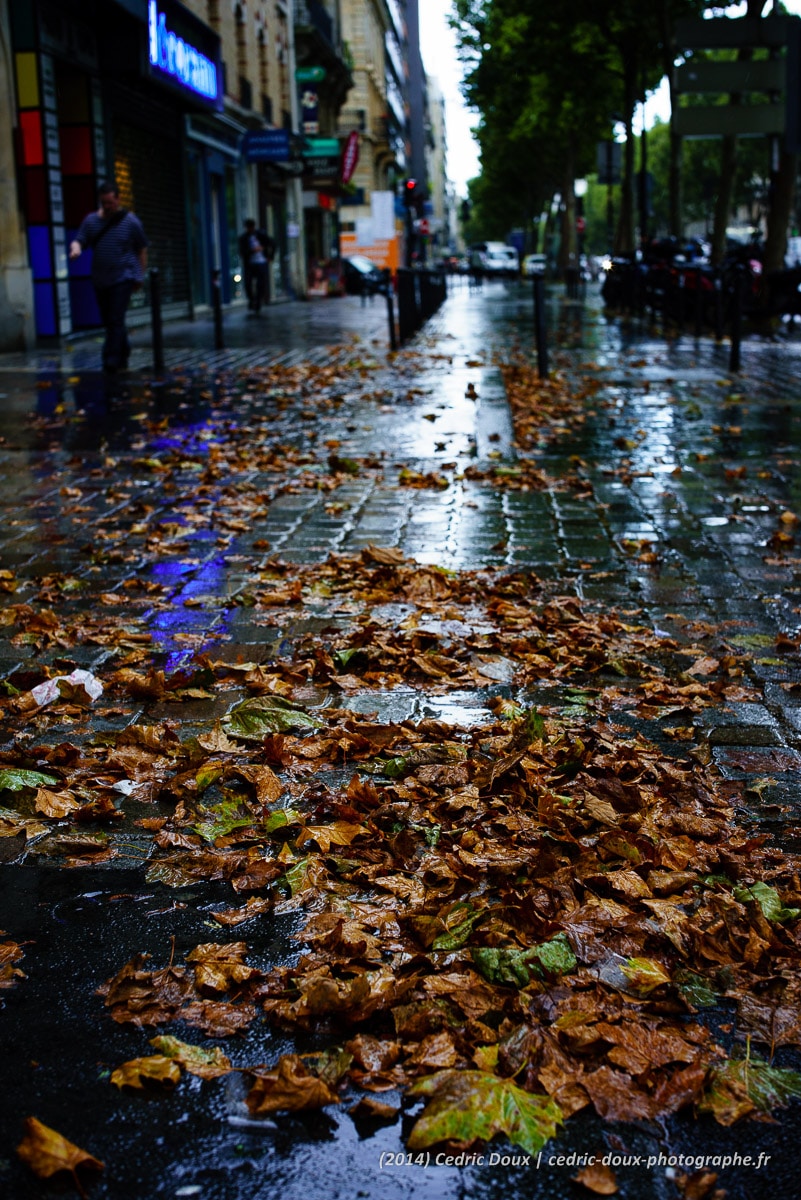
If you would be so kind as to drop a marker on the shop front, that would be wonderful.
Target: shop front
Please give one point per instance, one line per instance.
(102, 91)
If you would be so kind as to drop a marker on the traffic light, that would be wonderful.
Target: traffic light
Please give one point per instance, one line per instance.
(464, 211)
(409, 188)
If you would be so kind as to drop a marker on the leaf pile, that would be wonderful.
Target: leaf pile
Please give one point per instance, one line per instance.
(513, 920)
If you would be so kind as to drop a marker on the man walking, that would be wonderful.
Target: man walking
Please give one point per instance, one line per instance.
(256, 251)
(119, 260)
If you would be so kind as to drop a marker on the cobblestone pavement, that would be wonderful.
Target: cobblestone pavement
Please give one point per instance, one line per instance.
(689, 471)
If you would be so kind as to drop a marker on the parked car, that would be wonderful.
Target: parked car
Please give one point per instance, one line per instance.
(534, 264)
(494, 259)
(362, 277)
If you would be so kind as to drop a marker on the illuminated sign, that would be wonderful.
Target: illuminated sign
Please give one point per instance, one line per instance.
(177, 58)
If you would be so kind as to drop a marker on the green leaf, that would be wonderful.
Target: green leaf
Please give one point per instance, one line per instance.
(14, 779)
(395, 768)
(297, 877)
(644, 975)
(534, 726)
(344, 658)
(259, 716)
(224, 818)
(768, 900)
(458, 934)
(281, 818)
(695, 989)
(740, 1086)
(208, 1064)
(468, 1106)
(516, 968)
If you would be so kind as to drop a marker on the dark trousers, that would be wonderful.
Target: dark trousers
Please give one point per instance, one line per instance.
(113, 304)
(257, 285)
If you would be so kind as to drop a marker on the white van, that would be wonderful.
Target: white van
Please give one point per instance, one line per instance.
(494, 258)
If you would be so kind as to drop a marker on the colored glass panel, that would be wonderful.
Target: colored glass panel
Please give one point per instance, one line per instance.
(76, 150)
(23, 24)
(35, 187)
(44, 307)
(73, 95)
(30, 124)
(27, 81)
(85, 313)
(79, 198)
(39, 250)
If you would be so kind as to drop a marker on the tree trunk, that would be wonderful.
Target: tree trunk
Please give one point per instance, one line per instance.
(569, 249)
(780, 212)
(675, 222)
(624, 237)
(723, 200)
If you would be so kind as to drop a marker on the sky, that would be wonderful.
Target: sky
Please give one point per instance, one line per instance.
(438, 47)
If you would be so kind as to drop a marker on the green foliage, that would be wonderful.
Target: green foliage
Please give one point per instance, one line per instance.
(259, 716)
(516, 968)
(467, 1106)
(14, 779)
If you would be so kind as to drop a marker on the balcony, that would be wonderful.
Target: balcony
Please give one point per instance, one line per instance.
(313, 13)
(317, 44)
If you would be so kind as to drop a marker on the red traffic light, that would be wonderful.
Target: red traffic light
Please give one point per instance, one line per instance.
(411, 184)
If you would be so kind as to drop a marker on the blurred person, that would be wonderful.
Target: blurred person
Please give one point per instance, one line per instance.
(119, 260)
(256, 252)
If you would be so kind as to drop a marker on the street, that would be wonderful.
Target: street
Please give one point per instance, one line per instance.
(417, 738)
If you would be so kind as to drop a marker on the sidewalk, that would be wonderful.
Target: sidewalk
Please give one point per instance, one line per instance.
(238, 532)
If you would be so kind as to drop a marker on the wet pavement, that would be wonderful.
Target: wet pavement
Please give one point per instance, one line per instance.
(687, 519)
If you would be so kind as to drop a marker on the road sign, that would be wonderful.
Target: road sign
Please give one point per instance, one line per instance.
(744, 120)
(768, 75)
(725, 33)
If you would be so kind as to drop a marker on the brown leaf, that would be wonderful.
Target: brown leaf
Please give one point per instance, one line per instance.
(47, 1152)
(155, 1068)
(289, 1087)
(599, 1179)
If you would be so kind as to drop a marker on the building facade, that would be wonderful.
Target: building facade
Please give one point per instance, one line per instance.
(205, 112)
(376, 114)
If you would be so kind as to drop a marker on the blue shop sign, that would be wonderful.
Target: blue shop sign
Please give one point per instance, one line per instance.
(182, 52)
(267, 145)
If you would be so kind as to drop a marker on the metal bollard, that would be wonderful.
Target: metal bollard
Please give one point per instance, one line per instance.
(699, 302)
(393, 339)
(216, 304)
(539, 326)
(155, 320)
(718, 307)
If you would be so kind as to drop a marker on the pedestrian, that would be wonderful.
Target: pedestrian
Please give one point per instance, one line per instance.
(119, 259)
(256, 252)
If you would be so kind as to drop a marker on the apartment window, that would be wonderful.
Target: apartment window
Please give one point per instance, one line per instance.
(245, 92)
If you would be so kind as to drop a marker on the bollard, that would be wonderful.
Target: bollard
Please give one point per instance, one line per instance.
(718, 306)
(539, 326)
(681, 284)
(407, 315)
(393, 340)
(736, 319)
(699, 302)
(216, 304)
(155, 321)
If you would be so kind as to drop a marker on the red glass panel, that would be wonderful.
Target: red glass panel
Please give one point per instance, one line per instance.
(30, 125)
(76, 149)
(37, 209)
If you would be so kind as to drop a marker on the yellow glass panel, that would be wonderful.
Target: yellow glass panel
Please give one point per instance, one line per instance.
(27, 81)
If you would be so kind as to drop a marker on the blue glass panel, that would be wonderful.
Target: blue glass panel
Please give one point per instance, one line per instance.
(39, 248)
(83, 305)
(44, 304)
